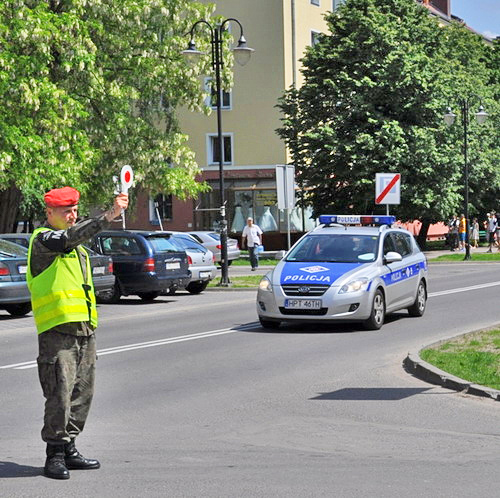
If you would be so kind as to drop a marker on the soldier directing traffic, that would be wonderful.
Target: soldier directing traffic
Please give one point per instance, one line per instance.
(64, 308)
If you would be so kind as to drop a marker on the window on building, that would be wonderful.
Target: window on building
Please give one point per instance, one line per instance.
(213, 149)
(315, 38)
(315, 2)
(164, 205)
(211, 100)
(336, 3)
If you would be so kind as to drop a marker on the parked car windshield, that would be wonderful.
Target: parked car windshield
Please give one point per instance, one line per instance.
(335, 249)
(11, 249)
(189, 243)
(215, 236)
(164, 243)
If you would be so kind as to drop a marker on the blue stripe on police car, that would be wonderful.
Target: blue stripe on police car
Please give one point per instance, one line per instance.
(326, 273)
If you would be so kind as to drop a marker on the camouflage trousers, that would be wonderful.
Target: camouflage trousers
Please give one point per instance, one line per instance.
(66, 368)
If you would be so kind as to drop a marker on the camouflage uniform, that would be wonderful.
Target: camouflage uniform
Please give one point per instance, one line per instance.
(67, 352)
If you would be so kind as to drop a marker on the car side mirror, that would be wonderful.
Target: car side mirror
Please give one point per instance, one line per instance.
(392, 257)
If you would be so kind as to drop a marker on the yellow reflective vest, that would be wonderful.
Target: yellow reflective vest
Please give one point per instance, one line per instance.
(59, 294)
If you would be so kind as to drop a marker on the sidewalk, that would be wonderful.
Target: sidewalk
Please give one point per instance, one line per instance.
(430, 255)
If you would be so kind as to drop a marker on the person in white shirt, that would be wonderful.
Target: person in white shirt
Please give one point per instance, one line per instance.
(252, 237)
(491, 226)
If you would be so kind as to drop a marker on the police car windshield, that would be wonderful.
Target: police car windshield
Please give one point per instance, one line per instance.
(333, 248)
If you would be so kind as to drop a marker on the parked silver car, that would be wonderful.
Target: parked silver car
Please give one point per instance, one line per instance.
(211, 240)
(14, 294)
(201, 262)
(102, 266)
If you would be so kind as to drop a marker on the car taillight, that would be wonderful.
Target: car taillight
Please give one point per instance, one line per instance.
(237, 245)
(190, 260)
(219, 246)
(110, 267)
(4, 270)
(149, 265)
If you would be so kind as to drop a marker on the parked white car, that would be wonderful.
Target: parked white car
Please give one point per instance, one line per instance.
(211, 240)
(201, 262)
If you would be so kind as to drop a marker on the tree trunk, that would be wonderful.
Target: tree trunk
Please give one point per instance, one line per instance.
(10, 200)
(422, 234)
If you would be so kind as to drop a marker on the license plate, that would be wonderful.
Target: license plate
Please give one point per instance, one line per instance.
(205, 274)
(173, 266)
(303, 304)
(22, 269)
(99, 270)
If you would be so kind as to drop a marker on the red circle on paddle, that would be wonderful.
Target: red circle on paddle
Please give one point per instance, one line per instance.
(127, 177)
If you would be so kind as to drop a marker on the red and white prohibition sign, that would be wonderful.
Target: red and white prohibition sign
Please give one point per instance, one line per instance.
(387, 188)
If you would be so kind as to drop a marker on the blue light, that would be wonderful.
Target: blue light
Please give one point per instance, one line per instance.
(349, 219)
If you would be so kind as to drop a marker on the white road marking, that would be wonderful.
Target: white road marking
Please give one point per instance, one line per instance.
(463, 289)
(212, 333)
(149, 344)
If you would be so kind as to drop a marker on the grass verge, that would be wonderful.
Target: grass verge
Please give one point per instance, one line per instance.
(247, 281)
(474, 357)
(494, 256)
(246, 262)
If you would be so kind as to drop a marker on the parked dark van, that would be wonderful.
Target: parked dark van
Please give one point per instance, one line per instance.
(145, 263)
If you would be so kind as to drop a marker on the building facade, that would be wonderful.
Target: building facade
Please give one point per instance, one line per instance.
(279, 31)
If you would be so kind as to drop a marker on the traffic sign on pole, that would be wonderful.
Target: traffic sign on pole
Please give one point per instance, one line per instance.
(387, 188)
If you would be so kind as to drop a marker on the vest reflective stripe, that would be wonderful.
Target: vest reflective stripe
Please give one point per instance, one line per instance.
(59, 294)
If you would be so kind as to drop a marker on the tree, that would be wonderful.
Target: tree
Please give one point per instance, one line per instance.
(376, 88)
(90, 85)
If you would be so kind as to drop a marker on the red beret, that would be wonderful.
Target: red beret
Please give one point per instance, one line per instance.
(59, 197)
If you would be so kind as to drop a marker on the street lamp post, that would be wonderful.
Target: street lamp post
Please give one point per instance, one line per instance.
(449, 119)
(242, 55)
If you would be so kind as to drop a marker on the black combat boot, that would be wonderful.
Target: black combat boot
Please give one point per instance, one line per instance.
(55, 468)
(75, 461)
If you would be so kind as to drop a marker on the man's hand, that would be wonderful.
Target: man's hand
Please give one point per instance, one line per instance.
(121, 202)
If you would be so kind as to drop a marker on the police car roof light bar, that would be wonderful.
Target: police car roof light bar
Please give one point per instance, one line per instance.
(348, 219)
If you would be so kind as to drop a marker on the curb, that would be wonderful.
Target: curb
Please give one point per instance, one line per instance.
(414, 365)
(231, 289)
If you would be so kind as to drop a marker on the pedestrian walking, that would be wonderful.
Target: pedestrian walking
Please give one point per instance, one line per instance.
(453, 233)
(475, 233)
(491, 228)
(59, 278)
(252, 236)
(462, 231)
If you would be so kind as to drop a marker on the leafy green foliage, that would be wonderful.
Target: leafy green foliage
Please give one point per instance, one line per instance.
(90, 85)
(376, 88)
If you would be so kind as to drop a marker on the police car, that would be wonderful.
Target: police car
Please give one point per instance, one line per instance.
(341, 272)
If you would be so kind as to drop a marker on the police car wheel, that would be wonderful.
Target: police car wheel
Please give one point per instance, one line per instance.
(269, 324)
(377, 315)
(418, 307)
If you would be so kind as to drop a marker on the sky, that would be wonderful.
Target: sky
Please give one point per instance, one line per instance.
(481, 15)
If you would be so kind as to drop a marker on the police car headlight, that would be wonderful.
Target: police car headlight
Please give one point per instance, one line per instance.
(360, 284)
(265, 285)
